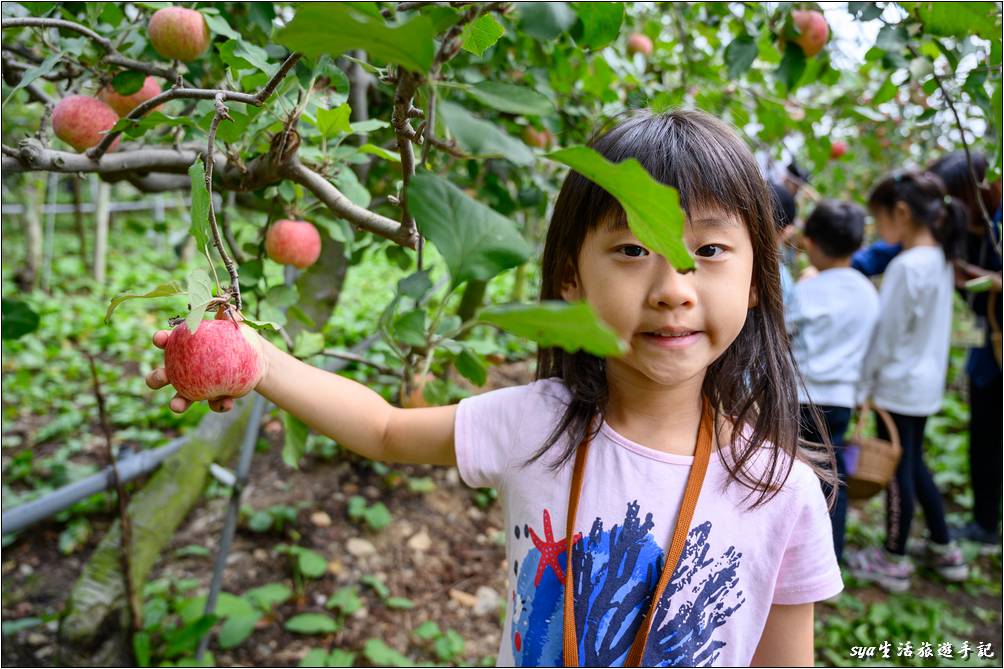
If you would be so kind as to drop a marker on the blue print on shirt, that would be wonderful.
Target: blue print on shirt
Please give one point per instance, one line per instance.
(615, 574)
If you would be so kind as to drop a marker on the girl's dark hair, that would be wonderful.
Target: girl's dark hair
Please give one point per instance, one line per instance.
(754, 383)
(953, 169)
(930, 205)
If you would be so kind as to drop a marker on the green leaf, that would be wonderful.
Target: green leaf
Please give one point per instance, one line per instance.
(554, 323)
(135, 128)
(369, 125)
(996, 103)
(740, 54)
(961, 19)
(382, 655)
(449, 646)
(471, 367)
(399, 603)
(378, 586)
(476, 242)
(886, 92)
(864, 11)
(380, 152)
(311, 563)
(308, 344)
(510, 98)
(282, 295)
(237, 629)
(219, 26)
(141, 648)
(200, 292)
(345, 600)
(356, 507)
(128, 82)
(264, 326)
(185, 639)
(200, 205)
(335, 121)
(378, 517)
(295, 444)
(269, 595)
(33, 73)
(480, 35)
(241, 55)
(76, 534)
(315, 657)
(792, 65)
(348, 183)
(18, 319)
(341, 658)
(545, 20)
(415, 285)
(312, 623)
(481, 138)
(653, 208)
(427, 631)
(163, 290)
(334, 28)
(599, 23)
(409, 328)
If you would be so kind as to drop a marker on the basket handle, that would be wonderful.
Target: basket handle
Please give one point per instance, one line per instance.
(890, 425)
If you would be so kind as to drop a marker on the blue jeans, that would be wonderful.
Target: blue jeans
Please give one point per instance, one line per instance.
(836, 419)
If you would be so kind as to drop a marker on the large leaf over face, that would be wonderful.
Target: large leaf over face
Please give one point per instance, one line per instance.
(476, 241)
(653, 209)
(572, 326)
(961, 19)
(482, 138)
(335, 28)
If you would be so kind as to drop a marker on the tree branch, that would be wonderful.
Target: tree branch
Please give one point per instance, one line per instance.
(220, 115)
(112, 56)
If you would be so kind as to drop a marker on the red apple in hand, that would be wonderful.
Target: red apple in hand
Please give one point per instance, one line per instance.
(837, 149)
(296, 243)
(639, 43)
(220, 360)
(82, 121)
(123, 104)
(178, 33)
(812, 31)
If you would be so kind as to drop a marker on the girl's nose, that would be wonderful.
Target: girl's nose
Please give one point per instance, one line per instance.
(671, 288)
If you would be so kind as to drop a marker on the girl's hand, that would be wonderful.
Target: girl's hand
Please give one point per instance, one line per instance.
(158, 379)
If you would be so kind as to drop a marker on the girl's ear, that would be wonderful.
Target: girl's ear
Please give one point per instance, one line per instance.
(571, 289)
(901, 213)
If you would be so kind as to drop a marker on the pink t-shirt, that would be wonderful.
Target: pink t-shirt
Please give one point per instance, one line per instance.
(736, 563)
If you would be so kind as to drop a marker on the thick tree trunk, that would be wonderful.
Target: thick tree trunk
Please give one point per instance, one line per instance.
(95, 629)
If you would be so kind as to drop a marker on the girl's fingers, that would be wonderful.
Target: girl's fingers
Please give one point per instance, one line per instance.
(160, 338)
(221, 405)
(179, 404)
(157, 378)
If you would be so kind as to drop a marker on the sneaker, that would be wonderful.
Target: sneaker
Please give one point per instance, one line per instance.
(947, 560)
(876, 565)
(987, 542)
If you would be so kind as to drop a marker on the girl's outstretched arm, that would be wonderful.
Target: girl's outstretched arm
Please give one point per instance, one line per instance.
(787, 638)
(348, 412)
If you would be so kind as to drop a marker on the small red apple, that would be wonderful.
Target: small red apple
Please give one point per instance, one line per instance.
(540, 139)
(639, 43)
(837, 149)
(296, 243)
(82, 121)
(178, 33)
(123, 104)
(220, 360)
(812, 31)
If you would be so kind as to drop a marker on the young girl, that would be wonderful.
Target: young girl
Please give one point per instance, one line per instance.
(685, 445)
(905, 367)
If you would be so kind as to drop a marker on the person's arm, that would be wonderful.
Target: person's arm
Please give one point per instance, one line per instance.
(348, 412)
(875, 258)
(787, 638)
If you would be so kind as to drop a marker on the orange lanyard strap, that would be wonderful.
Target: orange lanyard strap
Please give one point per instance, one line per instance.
(702, 455)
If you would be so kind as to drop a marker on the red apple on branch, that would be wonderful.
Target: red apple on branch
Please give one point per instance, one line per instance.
(178, 33)
(123, 104)
(812, 31)
(296, 243)
(540, 139)
(639, 43)
(82, 121)
(838, 149)
(220, 360)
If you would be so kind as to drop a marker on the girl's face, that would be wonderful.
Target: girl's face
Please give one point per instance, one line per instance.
(675, 324)
(891, 224)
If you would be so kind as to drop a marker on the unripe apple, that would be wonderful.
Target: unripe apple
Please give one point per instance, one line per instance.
(540, 139)
(296, 243)
(639, 43)
(837, 149)
(220, 360)
(82, 121)
(178, 33)
(812, 31)
(123, 104)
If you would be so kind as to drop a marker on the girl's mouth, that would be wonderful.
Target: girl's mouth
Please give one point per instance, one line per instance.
(676, 339)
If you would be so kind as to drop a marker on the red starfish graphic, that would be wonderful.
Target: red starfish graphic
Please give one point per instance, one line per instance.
(550, 550)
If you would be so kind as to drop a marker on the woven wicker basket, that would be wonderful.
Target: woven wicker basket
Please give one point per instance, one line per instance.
(871, 462)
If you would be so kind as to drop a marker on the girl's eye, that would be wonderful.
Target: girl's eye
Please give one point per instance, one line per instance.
(710, 251)
(633, 251)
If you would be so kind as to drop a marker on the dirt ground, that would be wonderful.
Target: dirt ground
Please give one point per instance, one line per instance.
(441, 551)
